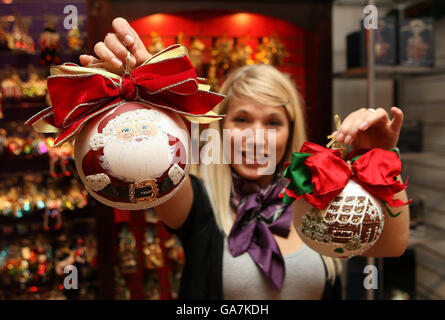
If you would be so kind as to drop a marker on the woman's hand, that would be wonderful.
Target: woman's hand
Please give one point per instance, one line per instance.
(364, 129)
(113, 50)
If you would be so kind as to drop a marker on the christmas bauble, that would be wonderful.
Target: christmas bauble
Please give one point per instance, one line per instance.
(133, 157)
(348, 226)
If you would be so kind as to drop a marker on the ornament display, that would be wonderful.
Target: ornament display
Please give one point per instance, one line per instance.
(19, 39)
(127, 251)
(75, 41)
(196, 51)
(11, 85)
(152, 249)
(348, 197)
(35, 86)
(131, 146)
(156, 44)
(50, 44)
(242, 53)
(271, 51)
(152, 286)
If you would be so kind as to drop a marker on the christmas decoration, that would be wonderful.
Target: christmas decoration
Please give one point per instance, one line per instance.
(127, 251)
(152, 249)
(196, 51)
(131, 147)
(11, 85)
(75, 41)
(19, 39)
(35, 86)
(115, 156)
(348, 196)
(50, 45)
(156, 44)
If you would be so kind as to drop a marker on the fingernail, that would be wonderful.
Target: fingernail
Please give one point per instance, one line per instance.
(364, 125)
(340, 136)
(116, 62)
(348, 139)
(128, 40)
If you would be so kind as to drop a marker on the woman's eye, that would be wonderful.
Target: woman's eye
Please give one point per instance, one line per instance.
(125, 130)
(275, 122)
(240, 119)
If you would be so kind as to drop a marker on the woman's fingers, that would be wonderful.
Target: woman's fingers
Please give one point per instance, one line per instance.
(113, 50)
(125, 32)
(130, 39)
(371, 118)
(86, 60)
(344, 132)
(116, 46)
(105, 54)
(397, 121)
(360, 120)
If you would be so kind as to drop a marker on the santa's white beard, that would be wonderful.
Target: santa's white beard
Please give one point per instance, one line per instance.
(136, 161)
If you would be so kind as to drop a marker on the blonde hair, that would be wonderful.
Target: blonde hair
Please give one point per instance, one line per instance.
(265, 85)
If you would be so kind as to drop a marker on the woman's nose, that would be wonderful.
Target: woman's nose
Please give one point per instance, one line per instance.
(260, 135)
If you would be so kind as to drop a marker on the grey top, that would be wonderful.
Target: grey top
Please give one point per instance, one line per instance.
(304, 279)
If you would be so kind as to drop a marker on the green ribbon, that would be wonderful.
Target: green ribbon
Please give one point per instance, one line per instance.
(300, 176)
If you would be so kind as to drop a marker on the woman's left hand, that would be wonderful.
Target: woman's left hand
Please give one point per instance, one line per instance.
(365, 129)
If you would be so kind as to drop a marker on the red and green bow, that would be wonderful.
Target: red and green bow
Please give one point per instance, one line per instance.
(318, 175)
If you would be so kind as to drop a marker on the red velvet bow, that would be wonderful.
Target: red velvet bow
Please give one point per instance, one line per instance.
(169, 81)
(375, 170)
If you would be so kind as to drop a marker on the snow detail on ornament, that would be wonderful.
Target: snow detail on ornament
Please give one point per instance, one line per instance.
(348, 226)
(97, 141)
(97, 181)
(140, 149)
(175, 173)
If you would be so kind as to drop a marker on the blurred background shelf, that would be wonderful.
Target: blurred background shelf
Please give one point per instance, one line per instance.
(424, 235)
(390, 71)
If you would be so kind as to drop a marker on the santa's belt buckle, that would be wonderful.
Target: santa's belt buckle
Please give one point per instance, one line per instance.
(143, 191)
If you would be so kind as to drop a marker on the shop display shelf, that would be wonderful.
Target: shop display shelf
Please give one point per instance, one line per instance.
(23, 163)
(390, 72)
(424, 234)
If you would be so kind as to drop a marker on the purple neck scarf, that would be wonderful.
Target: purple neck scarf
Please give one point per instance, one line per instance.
(259, 214)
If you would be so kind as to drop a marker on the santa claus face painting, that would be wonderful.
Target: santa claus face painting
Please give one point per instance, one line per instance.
(136, 136)
(133, 156)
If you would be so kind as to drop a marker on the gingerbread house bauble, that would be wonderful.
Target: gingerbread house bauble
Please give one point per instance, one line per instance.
(348, 226)
(133, 156)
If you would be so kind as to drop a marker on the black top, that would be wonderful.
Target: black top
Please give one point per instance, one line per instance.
(203, 245)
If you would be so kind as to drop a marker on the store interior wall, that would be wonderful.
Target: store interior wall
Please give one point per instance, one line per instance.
(350, 94)
(423, 99)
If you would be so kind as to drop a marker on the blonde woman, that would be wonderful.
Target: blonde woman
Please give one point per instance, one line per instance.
(238, 236)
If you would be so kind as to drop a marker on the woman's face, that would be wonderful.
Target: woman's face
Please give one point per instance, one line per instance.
(248, 114)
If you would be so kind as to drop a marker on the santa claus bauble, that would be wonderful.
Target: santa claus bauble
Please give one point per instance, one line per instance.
(132, 157)
(347, 227)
